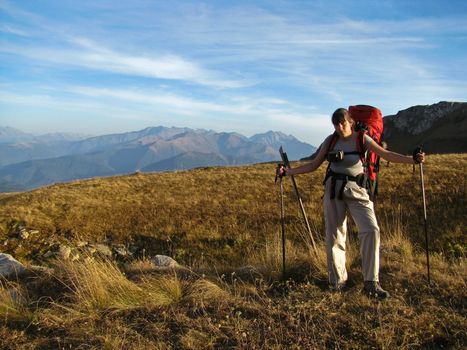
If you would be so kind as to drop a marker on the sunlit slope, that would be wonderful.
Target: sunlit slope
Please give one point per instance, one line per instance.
(229, 209)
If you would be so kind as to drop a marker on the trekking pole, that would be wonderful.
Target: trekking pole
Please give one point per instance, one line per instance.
(283, 228)
(422, 182)
(282, 223)
(286, 162)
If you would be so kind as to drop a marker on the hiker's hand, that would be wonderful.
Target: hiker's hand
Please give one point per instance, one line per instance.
(281, 171)
(418, 156)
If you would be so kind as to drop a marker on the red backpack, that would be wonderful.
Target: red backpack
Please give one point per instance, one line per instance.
(368, 120)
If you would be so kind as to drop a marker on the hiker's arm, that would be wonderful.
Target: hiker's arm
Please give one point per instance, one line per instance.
(392, 156)
(315, 163)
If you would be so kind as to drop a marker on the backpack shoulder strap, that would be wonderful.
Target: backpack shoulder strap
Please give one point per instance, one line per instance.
(360, 144)
(331, 145)
(333, 141)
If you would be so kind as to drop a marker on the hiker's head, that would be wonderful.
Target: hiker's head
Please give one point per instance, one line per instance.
(342, 122)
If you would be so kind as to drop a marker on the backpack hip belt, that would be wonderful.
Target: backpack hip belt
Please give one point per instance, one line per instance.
(359, 179)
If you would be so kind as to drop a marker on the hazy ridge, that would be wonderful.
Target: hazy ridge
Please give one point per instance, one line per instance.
(30, 162)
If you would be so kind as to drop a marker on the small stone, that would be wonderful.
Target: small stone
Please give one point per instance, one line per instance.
(64, 252)
(103, 249)
(164, 261)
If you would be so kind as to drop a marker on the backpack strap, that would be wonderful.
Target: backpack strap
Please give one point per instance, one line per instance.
(360, 146)
(332, 143)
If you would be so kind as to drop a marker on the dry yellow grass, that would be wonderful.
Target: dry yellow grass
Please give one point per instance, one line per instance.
(223, 224)
(98, 285)
(14, 303)
(223, 211)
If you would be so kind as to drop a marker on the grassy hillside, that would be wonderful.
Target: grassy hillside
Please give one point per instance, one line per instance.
(223, 225)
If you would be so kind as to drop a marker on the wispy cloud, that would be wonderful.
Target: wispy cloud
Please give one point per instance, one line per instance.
(94, 56)
(13, 30)
(167, 66)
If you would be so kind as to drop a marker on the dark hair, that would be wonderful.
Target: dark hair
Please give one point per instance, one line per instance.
(339, 115)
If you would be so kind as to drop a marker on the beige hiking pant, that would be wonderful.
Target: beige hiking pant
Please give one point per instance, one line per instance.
(357, 202)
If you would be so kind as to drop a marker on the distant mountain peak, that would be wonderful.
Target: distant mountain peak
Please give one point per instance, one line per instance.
(295, 149)
(12, 135)
(272, 137)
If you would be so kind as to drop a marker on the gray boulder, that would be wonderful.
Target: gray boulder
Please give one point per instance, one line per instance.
(9, 266)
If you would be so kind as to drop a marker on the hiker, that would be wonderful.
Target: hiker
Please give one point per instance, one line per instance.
(343, 192)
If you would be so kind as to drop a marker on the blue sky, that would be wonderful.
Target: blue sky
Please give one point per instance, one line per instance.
(99, 67)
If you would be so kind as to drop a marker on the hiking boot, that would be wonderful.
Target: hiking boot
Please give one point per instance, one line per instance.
(372, 289)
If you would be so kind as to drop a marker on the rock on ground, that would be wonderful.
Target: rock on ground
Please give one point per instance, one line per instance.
(164, 261)
(9, 266)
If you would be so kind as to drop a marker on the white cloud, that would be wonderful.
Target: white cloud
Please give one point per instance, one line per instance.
(165, 66)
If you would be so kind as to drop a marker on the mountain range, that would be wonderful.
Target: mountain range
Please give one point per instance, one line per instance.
(28, 161)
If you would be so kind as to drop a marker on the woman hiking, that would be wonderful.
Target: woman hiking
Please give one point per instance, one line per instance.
(344, 175)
